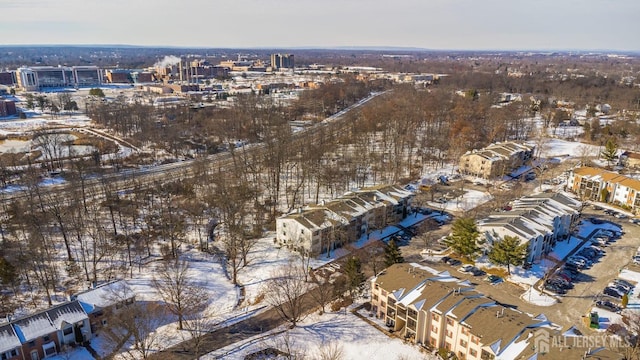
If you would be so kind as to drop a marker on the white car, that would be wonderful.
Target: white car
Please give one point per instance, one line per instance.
(465, 268)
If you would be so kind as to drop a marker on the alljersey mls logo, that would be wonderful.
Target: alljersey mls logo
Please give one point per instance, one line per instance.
(543, 341)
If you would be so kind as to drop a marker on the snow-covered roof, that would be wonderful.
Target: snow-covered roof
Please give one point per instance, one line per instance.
(67, 314)
(48, 321)
(33, 327)
(8, 338)
(105, 295)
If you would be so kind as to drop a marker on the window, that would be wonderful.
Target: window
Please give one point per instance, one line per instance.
(432, 341)
(67, 331)
(449, 322)
(411, 324)
(449, 333)
(464, 331)
(474, 340)
(375, 297)
(434, 329)
(435, 317)
(463, 343)
(32, 343)
(473, 353)
(46, 338)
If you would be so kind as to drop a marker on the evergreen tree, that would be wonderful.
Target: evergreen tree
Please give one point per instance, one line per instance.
(610, 150)
(96, 92)
(392, 254)
(354, 274)
(508, 252)
(463, 239)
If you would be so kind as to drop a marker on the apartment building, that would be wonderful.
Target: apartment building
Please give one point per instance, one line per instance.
(282, 61)
(495, 160)
(329, 225)
(596, 184)
(539, 220)
(46, 333)
(437, 311)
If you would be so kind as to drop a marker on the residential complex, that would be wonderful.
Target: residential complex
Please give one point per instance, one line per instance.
(605, 186)
(495, 160)
(326, 226)
(435, 310)
(539, 220)
(45, 333)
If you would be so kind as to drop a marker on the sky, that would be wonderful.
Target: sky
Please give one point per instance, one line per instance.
(429, 24)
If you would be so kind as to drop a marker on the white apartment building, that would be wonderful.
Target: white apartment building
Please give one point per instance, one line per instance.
(538, 220)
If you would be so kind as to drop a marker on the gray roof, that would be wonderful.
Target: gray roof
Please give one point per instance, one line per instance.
(69, 313)
(49, 321)
(8, 338)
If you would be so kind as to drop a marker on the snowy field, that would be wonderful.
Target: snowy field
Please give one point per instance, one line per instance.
(356, 338)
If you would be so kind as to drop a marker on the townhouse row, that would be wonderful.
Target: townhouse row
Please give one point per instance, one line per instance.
(539, 220)
(329, 225)
(437, 311)
(595, 184)
(46, 333)
(496, 160)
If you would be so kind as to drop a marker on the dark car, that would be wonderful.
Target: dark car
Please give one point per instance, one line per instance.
(454, 262)
(445, 259)
(554, 288)
(493, 279)
(608, 305)
(613, 292)
(477, 272)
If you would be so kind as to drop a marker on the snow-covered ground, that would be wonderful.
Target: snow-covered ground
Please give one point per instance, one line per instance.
(356, 338)
(469, 200)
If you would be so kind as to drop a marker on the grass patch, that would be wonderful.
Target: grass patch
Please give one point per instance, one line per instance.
(499, 271)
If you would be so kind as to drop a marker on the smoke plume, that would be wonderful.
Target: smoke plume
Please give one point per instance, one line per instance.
(167, 61)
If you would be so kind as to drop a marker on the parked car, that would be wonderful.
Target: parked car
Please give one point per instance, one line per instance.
(454, 262)
(620, 216)
(465, 268)
(554, 288)
(622, 287)
(596, 221)
(445, 259)
(477, 272)
(613, 292)
(608, 305)
(623, 282)
(636, 260)
(493, 279)
(634, 221)
(596, 207)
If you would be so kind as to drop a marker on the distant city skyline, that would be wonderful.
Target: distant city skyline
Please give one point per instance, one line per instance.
(427, 24)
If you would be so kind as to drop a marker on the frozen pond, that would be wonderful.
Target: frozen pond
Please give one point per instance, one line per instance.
(15, 146)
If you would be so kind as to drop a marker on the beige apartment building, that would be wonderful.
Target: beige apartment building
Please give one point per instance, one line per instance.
(437, 311)
(495, 160)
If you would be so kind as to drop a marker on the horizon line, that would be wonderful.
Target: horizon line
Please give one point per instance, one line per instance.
(311, 47)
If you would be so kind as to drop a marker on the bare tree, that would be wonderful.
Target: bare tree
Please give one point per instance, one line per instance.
(284, 292)
(177, 288)
(331, 351)
(132, 331)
